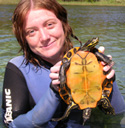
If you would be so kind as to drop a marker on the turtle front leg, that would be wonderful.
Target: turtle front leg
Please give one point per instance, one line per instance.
(62, 74)
(63, 90)
(102, 57)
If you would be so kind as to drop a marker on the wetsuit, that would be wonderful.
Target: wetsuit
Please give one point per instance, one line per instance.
(28, 100)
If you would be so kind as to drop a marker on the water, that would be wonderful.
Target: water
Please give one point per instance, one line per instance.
(107, 23)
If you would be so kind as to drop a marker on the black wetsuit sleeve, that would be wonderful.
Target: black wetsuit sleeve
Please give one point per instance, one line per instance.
(15, 98)
(17, 104)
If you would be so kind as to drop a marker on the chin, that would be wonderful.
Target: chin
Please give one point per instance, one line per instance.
(52, 54)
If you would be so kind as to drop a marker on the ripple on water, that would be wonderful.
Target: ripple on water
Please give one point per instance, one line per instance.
(107, 23)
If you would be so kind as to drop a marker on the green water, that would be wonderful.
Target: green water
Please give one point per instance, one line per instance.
(107, 23)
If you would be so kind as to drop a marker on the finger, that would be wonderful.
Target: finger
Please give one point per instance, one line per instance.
(101, 49)
(110, 57)
(103, 63)
(55, 82)
(107, 68)
(58, 63)
(54, 76)
(54, 69)
(111, 74)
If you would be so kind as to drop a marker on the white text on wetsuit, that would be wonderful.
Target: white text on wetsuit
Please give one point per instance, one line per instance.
(8, 114)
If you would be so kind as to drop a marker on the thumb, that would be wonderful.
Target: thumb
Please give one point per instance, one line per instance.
(101, 49)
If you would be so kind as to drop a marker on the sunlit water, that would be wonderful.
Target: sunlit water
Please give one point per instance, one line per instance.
(107, 23)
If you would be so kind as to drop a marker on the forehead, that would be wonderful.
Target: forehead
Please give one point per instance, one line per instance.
(40, 13)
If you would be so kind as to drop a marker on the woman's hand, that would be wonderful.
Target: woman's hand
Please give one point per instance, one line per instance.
(107, 68)
(54, 75)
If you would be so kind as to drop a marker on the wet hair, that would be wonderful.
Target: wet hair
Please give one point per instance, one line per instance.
(18, 20)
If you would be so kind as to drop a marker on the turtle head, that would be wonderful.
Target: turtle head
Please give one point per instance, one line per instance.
(91, 43)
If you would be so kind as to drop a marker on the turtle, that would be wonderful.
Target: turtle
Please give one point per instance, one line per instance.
(83, 83)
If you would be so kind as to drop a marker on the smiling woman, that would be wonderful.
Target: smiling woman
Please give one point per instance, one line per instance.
(46, 26)
(45, 35)
(31, 81)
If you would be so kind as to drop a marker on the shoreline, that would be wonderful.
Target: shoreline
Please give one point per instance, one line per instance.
(14, 2)
(92, 4)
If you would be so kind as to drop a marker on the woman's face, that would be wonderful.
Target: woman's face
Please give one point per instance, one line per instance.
(44, 34)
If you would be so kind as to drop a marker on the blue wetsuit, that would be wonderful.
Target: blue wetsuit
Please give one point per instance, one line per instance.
(29, 102)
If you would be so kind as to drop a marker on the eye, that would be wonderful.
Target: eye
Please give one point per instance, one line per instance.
(30, 32)
(50, 25)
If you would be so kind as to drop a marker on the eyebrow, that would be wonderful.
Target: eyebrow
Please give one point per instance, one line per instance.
(32, 27)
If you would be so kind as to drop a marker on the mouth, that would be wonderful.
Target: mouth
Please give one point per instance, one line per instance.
(48, 45)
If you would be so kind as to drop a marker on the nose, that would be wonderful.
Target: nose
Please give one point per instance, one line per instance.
(44, 35)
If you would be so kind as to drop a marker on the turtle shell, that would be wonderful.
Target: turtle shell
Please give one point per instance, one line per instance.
(83, 84)
(85, 79)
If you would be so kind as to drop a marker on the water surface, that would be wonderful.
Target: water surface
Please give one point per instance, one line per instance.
(107, 23)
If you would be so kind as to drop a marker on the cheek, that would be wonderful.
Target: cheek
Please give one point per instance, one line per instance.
(32, 42)
(58, 32)
(60, 36)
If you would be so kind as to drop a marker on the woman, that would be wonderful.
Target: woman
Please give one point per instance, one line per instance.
(43, 32)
